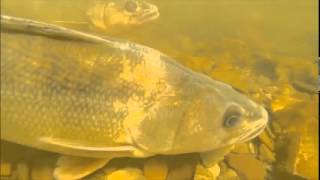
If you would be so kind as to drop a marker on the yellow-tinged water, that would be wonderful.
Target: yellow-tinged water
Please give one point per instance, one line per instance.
(266, 48)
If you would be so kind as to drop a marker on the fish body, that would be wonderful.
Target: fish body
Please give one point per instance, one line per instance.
(77, 94)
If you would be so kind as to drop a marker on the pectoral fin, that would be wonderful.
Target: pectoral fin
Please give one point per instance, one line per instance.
(84, 149)
(86, 158)
(211, 158)
(72, 167)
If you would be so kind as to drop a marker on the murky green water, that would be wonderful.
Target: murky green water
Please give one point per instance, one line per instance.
(268, 49)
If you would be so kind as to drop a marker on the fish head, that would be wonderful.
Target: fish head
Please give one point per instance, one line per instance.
(203, 115)
(105, 14)
(218, 116)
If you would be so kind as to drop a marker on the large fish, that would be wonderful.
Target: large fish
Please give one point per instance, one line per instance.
(93, 99)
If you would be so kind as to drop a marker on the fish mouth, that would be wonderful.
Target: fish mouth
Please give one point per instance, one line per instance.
(252, 135)
(257, 127)
(149, 14)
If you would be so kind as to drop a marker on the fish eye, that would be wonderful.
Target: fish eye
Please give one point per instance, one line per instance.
(232, 121)
(131, 6)
(232, 117)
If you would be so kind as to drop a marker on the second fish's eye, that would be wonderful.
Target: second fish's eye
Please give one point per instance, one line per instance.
(131, 6)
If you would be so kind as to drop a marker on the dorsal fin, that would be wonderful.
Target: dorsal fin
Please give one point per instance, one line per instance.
(15, 24)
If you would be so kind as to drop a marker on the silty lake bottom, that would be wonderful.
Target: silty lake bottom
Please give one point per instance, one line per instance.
(267, 49)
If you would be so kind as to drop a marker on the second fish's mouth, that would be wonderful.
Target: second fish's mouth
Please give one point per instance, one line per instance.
(149, 14)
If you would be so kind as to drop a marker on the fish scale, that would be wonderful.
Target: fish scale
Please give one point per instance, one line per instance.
(69, 116)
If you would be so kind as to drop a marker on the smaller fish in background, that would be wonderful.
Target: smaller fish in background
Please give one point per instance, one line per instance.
(104, 14)
(304, 82)
(98, 15)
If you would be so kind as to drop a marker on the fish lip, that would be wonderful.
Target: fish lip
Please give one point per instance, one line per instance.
(150, 13)
(254, 134)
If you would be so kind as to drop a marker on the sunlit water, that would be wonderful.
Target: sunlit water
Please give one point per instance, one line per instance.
(266, 48)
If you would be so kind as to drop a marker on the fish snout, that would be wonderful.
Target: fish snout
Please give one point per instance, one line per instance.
(257, 125)
(150, 12)
(259, 114)
(264, 115)
(260, 118)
